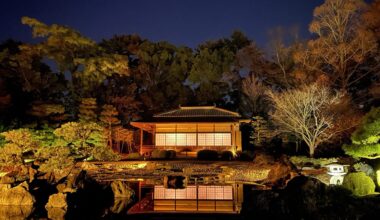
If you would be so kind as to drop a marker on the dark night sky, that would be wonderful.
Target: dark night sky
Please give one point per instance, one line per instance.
(182, 22)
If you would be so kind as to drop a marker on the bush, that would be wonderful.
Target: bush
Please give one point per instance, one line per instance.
(301, 161)
(159, 154)
(359, 184)
(171, 154)
(244, 156)
(104, 153)
(367, 169)
(207, 155)
(55, 158)
(133, 156)
(227, 155)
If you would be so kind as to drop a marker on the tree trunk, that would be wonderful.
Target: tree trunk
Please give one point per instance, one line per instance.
(311, 151)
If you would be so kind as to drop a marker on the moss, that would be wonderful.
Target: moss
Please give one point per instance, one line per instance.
(133, 156)
(359, 184)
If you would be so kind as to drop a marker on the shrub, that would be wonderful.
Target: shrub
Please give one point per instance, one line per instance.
(227, 155)
(133, 156)
(159, 154)
(301, 161)
(171, 154)
(104, 153)
(244, 156)
(367, 169)
(207, 155)
(55, 158)
(359, 184)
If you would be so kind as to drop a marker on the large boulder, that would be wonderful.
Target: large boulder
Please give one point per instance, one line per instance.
(281, 169)
(121, 190)
(15, 212)
(18, 195)
(58, 200)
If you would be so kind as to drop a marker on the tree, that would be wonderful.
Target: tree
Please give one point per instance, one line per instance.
(79, 59)
(342, 44)
(81, 137)
(214, 72)
(306, 113)
(254, 89)
(18, 143)
(365, 139)
(87, 110)
(108, 117)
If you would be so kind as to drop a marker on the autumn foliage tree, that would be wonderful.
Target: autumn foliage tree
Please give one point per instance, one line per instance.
(342, 43)
(306, 113)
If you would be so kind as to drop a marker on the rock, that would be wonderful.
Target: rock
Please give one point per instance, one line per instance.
(60, 187)
(32, 174)
(58, 200)
(56, 213)
(121, 190)
(5, 186)
(7, 180)
(15, 212)
(18, 195)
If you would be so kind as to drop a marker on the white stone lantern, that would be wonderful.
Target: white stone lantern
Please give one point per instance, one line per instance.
(337, 173)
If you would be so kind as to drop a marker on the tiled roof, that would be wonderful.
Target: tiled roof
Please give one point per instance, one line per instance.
(198, 112)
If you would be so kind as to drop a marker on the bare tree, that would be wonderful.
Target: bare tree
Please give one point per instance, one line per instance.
(254, 90)
(306, 112)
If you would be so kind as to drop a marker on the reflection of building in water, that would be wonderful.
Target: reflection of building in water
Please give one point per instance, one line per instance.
(193, 198)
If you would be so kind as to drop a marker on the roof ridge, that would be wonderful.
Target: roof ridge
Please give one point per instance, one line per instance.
(227, 113)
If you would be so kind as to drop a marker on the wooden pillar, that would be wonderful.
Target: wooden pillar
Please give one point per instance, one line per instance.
(139, 193)
(141, 140)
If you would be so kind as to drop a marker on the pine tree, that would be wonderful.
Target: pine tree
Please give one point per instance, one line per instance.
(108, 117)
(87, 110)
(366, 138)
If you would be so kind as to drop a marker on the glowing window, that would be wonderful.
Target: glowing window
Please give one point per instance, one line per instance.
(160, 139)
(181, 139)
(191, 139)
(170, 139)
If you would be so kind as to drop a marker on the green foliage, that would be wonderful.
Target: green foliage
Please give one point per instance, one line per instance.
(18, 143)
(365, 168)
(359, 184)
(55, 158)
(104, 153)
(213, 68)
(365, 140)
(82, 137)
(45, 136)
(133, 156)
(75, 54)
(207, 155)
(301, 161)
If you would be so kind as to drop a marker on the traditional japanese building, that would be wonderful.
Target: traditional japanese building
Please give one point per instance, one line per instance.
(190, 129)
